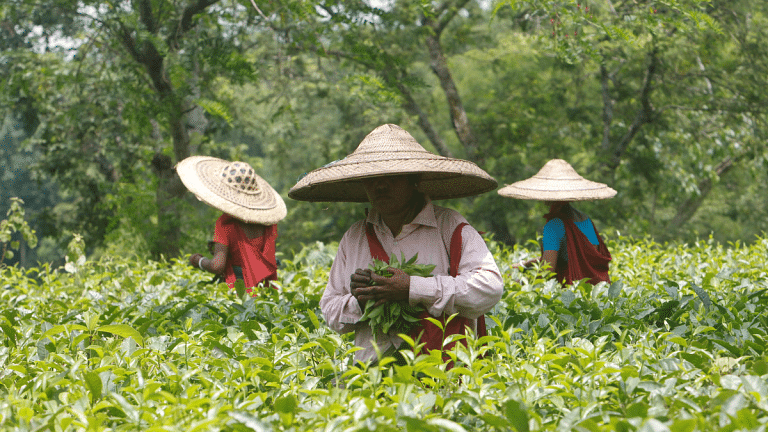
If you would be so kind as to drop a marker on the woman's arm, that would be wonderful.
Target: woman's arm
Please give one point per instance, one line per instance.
(215, 265)
(522, 265)
(548, 256)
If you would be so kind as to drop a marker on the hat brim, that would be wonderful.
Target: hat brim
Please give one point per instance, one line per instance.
(439, 177)
(557, 181)
(200, 175)
(557, 190)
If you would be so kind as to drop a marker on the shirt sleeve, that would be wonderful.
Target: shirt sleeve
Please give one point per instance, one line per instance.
(553, 234)
(340, 309)
(473, 292)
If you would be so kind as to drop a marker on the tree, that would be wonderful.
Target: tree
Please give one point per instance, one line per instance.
(392, 44)
(137, 86)
(667, 131)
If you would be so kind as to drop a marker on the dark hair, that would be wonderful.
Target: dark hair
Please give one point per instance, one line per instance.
(560, 209)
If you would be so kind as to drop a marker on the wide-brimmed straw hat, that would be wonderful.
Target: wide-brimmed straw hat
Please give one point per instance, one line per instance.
(232, 187)
(557, 181)
(390, 150)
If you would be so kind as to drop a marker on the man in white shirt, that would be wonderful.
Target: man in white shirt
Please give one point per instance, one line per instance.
(399, 179)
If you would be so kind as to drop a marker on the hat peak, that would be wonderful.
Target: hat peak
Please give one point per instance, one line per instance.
(389, 138)
(558, 169)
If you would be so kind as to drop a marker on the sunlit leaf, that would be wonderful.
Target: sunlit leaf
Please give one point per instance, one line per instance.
(122, 330)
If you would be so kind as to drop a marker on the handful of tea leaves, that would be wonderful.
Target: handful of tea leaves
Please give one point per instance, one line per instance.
(399, 316)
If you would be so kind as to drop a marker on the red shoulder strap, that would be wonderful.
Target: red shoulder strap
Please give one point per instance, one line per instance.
(455, 251)
(377, 250)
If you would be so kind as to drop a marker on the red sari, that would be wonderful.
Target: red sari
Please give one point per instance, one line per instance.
(256, 256)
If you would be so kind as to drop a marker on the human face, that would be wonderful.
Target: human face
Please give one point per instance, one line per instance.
(389, 195)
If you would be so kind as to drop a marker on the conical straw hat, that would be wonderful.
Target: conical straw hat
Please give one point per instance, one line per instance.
(390, 150)
(557, 181)
(232, 187)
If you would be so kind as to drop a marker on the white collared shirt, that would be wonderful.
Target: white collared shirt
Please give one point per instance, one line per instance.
(473, 292)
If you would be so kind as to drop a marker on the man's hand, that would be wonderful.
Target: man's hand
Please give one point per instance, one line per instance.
(361, 278)
(394, 288)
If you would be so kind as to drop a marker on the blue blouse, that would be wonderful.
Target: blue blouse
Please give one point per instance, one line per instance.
(554, 233)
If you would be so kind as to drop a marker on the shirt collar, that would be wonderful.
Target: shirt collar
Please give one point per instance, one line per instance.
(425, 217)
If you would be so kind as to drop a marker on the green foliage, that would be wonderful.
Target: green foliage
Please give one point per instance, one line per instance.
(528, 73)
(14, 223)
(575, 30)
(676, 342)
(399, 317)
(215, 108)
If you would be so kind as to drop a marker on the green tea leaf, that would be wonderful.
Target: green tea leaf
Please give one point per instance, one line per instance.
(313, 319)
(122, 330)
(240, 288)
(286, 404)
(517, 415)
(94, 385)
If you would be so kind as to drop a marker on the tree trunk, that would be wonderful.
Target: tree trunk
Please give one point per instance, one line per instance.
(645, 114)
(459, 118)
(167, 197)
(412, 107)
(435, 24)
(169, 189)
(497, 217)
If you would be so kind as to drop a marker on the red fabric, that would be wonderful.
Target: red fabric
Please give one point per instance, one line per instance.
(256, 256)
(589, 263)
(377, 250)
(425, 331)
(585, 261)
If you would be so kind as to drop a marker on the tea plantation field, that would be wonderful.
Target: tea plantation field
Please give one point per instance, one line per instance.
(677, 342)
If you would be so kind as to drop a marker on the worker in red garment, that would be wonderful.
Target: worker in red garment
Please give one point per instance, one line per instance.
(400, 179)
(243, 245)
(571, 244)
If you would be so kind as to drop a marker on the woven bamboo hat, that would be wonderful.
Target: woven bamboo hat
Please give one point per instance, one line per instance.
(557, 181)
(232, 187)
(390, 150)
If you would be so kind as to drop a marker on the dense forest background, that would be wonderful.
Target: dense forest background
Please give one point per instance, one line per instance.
(663, 100)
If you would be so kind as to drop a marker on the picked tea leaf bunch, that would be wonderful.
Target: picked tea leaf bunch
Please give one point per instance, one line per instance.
(397, 316)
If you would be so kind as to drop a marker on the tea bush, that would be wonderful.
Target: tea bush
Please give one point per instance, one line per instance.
(676, 342)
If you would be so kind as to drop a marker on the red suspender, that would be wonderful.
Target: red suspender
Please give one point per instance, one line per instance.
(377, 250)
(455, 252)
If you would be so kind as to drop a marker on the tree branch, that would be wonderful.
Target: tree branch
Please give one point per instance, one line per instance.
(413, 108)
(145, 14)
(409, 103)
(607, 107)
(185, 22)
(126, 38)
(645, 114)
(445, 15)
(458, 114)
(689, 207)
